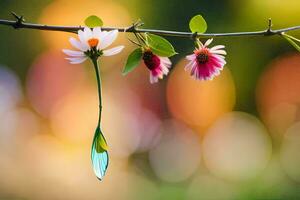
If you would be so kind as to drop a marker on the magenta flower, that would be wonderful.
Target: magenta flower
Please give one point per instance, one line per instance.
(206, 63)
(157, 65)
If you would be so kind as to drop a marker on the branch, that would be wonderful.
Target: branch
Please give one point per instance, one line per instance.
(20, 24)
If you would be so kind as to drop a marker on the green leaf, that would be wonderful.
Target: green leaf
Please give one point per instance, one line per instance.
(93, 21)
(160, 46)
(292, 42)
(99, 141)
(133, 61)
(198, 24)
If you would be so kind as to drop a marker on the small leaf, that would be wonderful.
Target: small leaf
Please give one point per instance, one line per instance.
(93, 21)
(198, 24)
(133, 61)
(292, 42)
(99, 141)
(160, 46)
(101, 144)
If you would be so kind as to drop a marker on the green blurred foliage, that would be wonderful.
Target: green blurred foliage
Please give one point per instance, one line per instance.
(19, 48)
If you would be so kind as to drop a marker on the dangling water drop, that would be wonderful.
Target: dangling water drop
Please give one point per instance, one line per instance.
(99, 154)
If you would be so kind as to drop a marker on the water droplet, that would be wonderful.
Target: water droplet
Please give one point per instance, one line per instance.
(99, 154)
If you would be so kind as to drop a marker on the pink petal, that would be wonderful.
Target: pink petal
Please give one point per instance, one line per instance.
(191, 57)
(190, 65)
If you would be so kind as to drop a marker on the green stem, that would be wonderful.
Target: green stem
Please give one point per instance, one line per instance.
(293, 38)
(95, 62)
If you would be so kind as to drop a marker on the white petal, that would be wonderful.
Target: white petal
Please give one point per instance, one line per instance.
(165, 69)
(219, 56)
(88, 34)
(166, 60)
(200, 44)
(108, 39)
(78, 45)
(73, 53)
(222, 52)
(100, 37)
(81, 37)
(113, 51)
(77, 60)
(208, 42)
(96, 31)
(217, 47)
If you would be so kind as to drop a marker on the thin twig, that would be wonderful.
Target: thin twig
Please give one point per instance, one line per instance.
(20, 24)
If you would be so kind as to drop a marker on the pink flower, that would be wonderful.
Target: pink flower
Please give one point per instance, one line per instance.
(157, 65)
(206, 63)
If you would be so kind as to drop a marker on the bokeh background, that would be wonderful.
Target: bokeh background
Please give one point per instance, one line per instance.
(236, 137)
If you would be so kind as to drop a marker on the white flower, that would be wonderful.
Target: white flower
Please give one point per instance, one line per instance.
(92, 43)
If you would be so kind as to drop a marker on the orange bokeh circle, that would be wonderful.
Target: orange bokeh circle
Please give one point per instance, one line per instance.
(278, 94)
(199, 103)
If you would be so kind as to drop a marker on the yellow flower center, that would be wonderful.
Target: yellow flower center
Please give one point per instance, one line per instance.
(93, 42)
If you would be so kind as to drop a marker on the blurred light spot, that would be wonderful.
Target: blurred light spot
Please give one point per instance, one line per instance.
(290, 159)
(149, 125)
(11, 175)
(66, 13)
(199, 103)
(143, 188)
(137, 120)
(17, 126)
(208, 187)
(59, 169)
(28, 124)
(49, 79)
(152, 96)
(74, 118)
(278, 98)
(10, 90)
(273, 183)
(121, 121)
(177, 155)
(275, 9)
(237, 147)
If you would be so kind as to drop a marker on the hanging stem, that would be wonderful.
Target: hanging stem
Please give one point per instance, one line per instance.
(95, 62)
